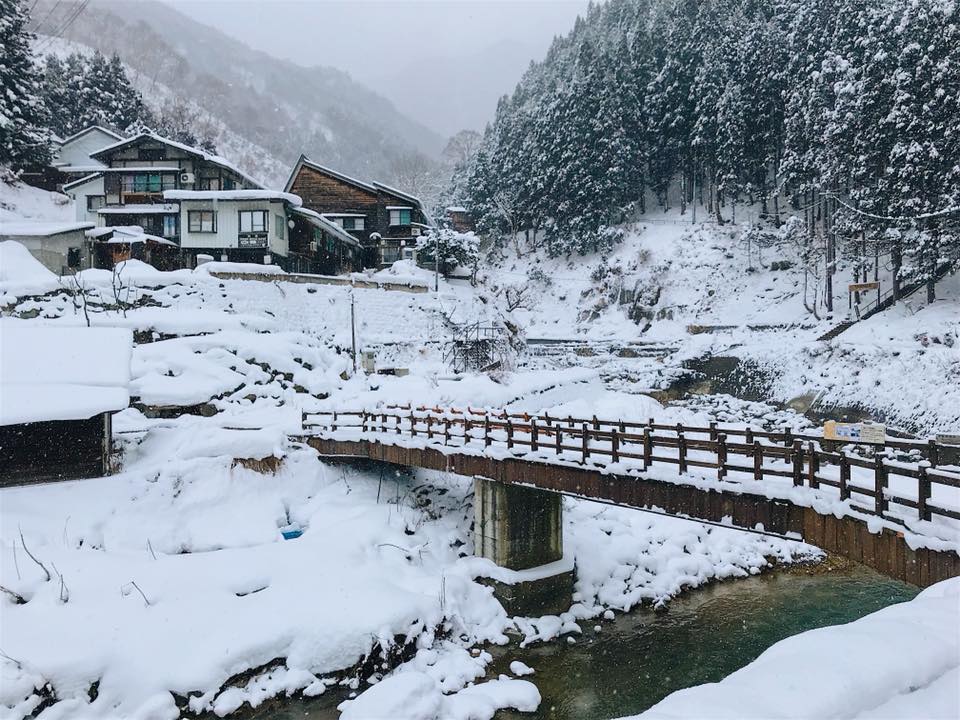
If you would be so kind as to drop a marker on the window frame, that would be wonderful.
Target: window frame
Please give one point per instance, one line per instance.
(191, 214)
(101, 198)
(253, 230)
(400, 212)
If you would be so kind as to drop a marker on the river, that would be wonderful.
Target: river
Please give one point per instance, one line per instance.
(640, 657)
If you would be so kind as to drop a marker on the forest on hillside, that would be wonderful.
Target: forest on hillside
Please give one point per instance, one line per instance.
(839, 119)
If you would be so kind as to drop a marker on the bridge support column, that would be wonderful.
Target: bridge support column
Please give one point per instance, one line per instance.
(521, 529)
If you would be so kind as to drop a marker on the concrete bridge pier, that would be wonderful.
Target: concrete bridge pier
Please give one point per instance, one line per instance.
(520, 529)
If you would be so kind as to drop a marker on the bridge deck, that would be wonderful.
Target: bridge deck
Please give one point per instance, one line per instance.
(908, 529)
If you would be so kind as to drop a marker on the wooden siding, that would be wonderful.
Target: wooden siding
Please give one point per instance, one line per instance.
(54, 450)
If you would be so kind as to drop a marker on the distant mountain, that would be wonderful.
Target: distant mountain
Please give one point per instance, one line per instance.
(275, 104)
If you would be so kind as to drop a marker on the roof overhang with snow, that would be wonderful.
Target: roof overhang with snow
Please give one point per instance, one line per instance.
(28, 228)
(233, 196)
(83, 180)
(90, 129)
(158, 209)
(318, 220)
(62, 373)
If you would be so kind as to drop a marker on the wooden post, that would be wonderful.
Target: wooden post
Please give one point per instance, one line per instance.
(757, 461)
(614, 446)
(509, 434)
(880, 484)
(749, 435)
(681, 450)
(814, 466)
(429, 426)
(486, 430)
(787, 438)
(798, 463)
(570, 420)
(713, 431)
(413, 425)
(558, 440)
(721, 456)
(844, 476)
(363, 421)
(586, 444)
(647, 448)
(467, 427)
(446, 431)
(596, 423)
(933, 453)
(333, 425)
(534, 444)
(923, 494)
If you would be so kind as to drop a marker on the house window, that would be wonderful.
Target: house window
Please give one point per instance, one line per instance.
(147, 183)
(252, 221)
(331, 244)
(170, 226)
(95, 202)
(400, 216)
(202, 221)
(353, 223)
(278, 225)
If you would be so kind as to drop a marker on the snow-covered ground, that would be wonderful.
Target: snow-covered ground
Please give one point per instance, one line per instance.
(172, 586)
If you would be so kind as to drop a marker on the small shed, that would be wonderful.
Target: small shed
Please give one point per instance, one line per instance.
(60, 246)
(58, 389)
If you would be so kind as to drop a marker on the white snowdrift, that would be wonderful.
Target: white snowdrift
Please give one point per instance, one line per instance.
(899, 662)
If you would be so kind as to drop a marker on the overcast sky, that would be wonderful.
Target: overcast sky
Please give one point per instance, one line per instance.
(461, 54)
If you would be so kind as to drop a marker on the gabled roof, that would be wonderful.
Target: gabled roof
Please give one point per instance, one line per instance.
(304, 161)
(82, 181)
(86, 130)
(196, 152)
(315, 218)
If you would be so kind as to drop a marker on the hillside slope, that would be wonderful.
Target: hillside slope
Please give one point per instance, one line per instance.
(285, 108)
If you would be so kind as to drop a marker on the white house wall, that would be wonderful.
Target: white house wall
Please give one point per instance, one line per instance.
(80, 193)
(77, 152)
(228, 224)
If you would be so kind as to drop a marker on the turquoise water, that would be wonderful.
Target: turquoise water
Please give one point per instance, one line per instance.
(639, 658)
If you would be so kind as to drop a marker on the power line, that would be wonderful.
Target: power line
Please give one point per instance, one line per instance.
(47, 16)
(81, 6)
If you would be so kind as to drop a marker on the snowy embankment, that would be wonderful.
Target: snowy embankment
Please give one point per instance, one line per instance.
(900, 662)
(703, 291)
(171, 585)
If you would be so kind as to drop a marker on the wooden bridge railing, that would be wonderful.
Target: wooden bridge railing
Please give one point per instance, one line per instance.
(916, 487)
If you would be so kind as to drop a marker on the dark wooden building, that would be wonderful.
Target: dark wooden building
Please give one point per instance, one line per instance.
(319, 245)
(59, 387)
(385, 221)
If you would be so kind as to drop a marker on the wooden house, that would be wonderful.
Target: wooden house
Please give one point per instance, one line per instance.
(129, 189)
(59, 387)
(385, 221)
(319, 245)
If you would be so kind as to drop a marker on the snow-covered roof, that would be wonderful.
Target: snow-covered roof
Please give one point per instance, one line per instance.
(75, 169)
(456, 209)
(398, 193)
(126, 234)
(30, 228)
(227, 195)
(159, 208)
(399, 207)
(109, 230)
(62, 373)
(83, 181)
(142, 168)
(305, 161)
(329, 226)
(197, 152)
(91, 129)
(343, 215)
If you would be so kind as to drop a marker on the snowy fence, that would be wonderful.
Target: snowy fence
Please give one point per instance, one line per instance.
(903, 480)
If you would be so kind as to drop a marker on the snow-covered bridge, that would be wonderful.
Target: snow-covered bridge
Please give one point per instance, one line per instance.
(894, 507)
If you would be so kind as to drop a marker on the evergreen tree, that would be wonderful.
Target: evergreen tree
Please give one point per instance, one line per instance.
(24, 138)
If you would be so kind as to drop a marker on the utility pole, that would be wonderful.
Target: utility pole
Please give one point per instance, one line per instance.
(353, 333)
(436, 263)
(693, 202)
